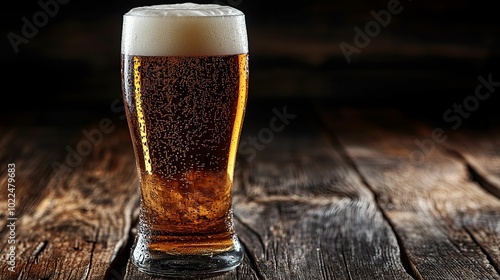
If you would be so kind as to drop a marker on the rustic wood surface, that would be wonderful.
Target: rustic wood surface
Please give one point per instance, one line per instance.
(440, 214)
(336, 194)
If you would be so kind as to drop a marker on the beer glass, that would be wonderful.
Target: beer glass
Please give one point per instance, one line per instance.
(184, 82)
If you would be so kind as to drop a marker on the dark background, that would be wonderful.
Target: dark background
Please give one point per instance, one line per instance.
(427, 58)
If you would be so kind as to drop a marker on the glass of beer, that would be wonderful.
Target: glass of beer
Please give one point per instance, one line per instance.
(184, 82)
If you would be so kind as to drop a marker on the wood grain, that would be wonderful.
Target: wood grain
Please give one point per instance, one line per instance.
(481, 152)
(82, 219)
(310, 216)
(31, 150)
(360, 195)
(444, 220)
(480, 149)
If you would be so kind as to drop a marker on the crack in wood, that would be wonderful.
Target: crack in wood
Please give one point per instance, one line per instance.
(94, 242)
(123, 247)
(38, 250)
(117, 268)
(474, 174)
(346, 265)
(408, 266)
(324, 270)
(253, 261)
(250, 229)
(485, 252)
(483, 182)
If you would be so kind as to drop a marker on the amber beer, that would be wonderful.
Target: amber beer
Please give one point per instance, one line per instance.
(185, 78)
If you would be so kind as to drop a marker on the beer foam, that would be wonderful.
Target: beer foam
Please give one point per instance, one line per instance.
(184, 30)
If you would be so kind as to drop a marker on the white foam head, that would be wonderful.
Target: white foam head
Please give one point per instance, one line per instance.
(184, 30)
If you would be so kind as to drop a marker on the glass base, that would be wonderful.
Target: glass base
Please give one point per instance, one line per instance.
(163, 264)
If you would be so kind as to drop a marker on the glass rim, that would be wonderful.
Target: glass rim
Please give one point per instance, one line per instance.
(171, 11)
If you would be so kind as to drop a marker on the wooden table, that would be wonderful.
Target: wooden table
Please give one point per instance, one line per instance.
(320, 193)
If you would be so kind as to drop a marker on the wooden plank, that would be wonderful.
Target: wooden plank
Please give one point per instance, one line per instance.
(29, 149)
(481, 152)
(309, 216)
(427, 194)
(302, 213)
(82, 220)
